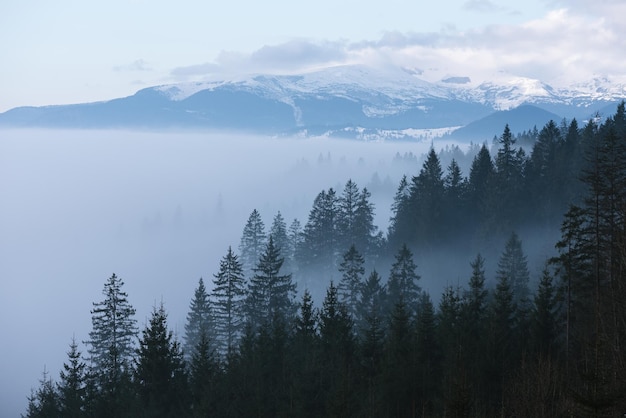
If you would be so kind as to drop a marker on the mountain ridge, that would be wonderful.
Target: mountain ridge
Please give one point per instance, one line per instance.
(332, 101)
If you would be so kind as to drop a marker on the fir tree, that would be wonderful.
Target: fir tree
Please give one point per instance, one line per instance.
(513, 265)
(351, 280)
(253, 241)
(203, 374)
(319, 247)
(199, 320)
(111, 349)
(71, 387)
(371, 303)
(403, 278)
(270, 293)
(229, 295)
(160, 374)
(44, 402)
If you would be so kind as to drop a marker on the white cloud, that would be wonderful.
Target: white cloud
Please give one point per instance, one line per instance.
(560, 48)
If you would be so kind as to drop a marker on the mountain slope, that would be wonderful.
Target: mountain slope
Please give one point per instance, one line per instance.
(339, 99)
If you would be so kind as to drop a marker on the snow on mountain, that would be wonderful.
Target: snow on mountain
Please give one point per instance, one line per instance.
(394, 90)
(365, 102)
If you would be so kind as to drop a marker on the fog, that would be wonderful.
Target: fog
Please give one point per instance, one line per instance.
(157, 209)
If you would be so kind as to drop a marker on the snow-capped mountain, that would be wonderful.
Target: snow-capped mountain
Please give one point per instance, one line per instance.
(355, 101)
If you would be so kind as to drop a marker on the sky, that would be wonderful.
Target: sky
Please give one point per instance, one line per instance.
(74, 51)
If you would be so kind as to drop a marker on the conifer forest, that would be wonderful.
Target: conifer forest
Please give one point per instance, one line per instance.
(329, 316)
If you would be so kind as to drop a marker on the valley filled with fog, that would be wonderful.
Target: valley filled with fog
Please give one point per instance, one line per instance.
(157, 209)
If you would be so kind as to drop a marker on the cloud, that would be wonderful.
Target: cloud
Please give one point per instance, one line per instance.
(137, 65)
(561, 47)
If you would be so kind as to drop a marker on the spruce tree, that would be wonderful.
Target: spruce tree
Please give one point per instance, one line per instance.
(514, 266)
(317, 254)
(371, 303)
(543, 326)
(399, 231)
(111, 349)
(270, 293)
(402, 284)
(160, 375)
(346, 216)
(349, 288)
(200, 320)
(43, 402)
(253, 241)
(71, 387)
(203, 375)
(229, 295)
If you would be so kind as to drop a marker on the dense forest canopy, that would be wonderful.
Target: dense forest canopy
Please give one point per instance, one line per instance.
(330, 316)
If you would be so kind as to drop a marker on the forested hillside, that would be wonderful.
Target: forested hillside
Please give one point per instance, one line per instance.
(330, 316)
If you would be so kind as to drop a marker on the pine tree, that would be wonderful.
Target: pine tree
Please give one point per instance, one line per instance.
(279, 233)
(305, 360)
(270, 294)
(400, 368)
(71, 387)
(365, 232)
(514, 266)
(320, 245)
(543, 328)
(160, 374)
(229, 295)
(403, 278)
(427, 356)
(337, 356)
(399, 230)
(200, 320)
(454, 206)
(111, 349)
(44, 402)
(346, 216)
(509, 166)
(253, 241)
(371, 303)
(501, 345)
(351, 280)
(203, 374)
(427, 194)
(480, 189)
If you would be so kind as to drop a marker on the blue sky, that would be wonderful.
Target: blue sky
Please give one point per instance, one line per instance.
(71, 51)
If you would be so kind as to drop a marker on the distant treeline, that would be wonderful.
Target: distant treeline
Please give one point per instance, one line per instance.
(377, 345)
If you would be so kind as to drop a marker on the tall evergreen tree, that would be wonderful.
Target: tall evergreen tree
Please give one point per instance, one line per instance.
(398, 232)
(427, 198)
(270, 293)
(203, 376)
(111, 348)
(514, 266)
(371, 303)
(43, 402)
(351, 282)
(402, 285)
(544, 322)
(229, 293)
(200, 320)
(253, 241)
(71, 387)
(278, 231)
(366, 234)
(338, 349)
(347, 216)
(160, 374)
(320, 245)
